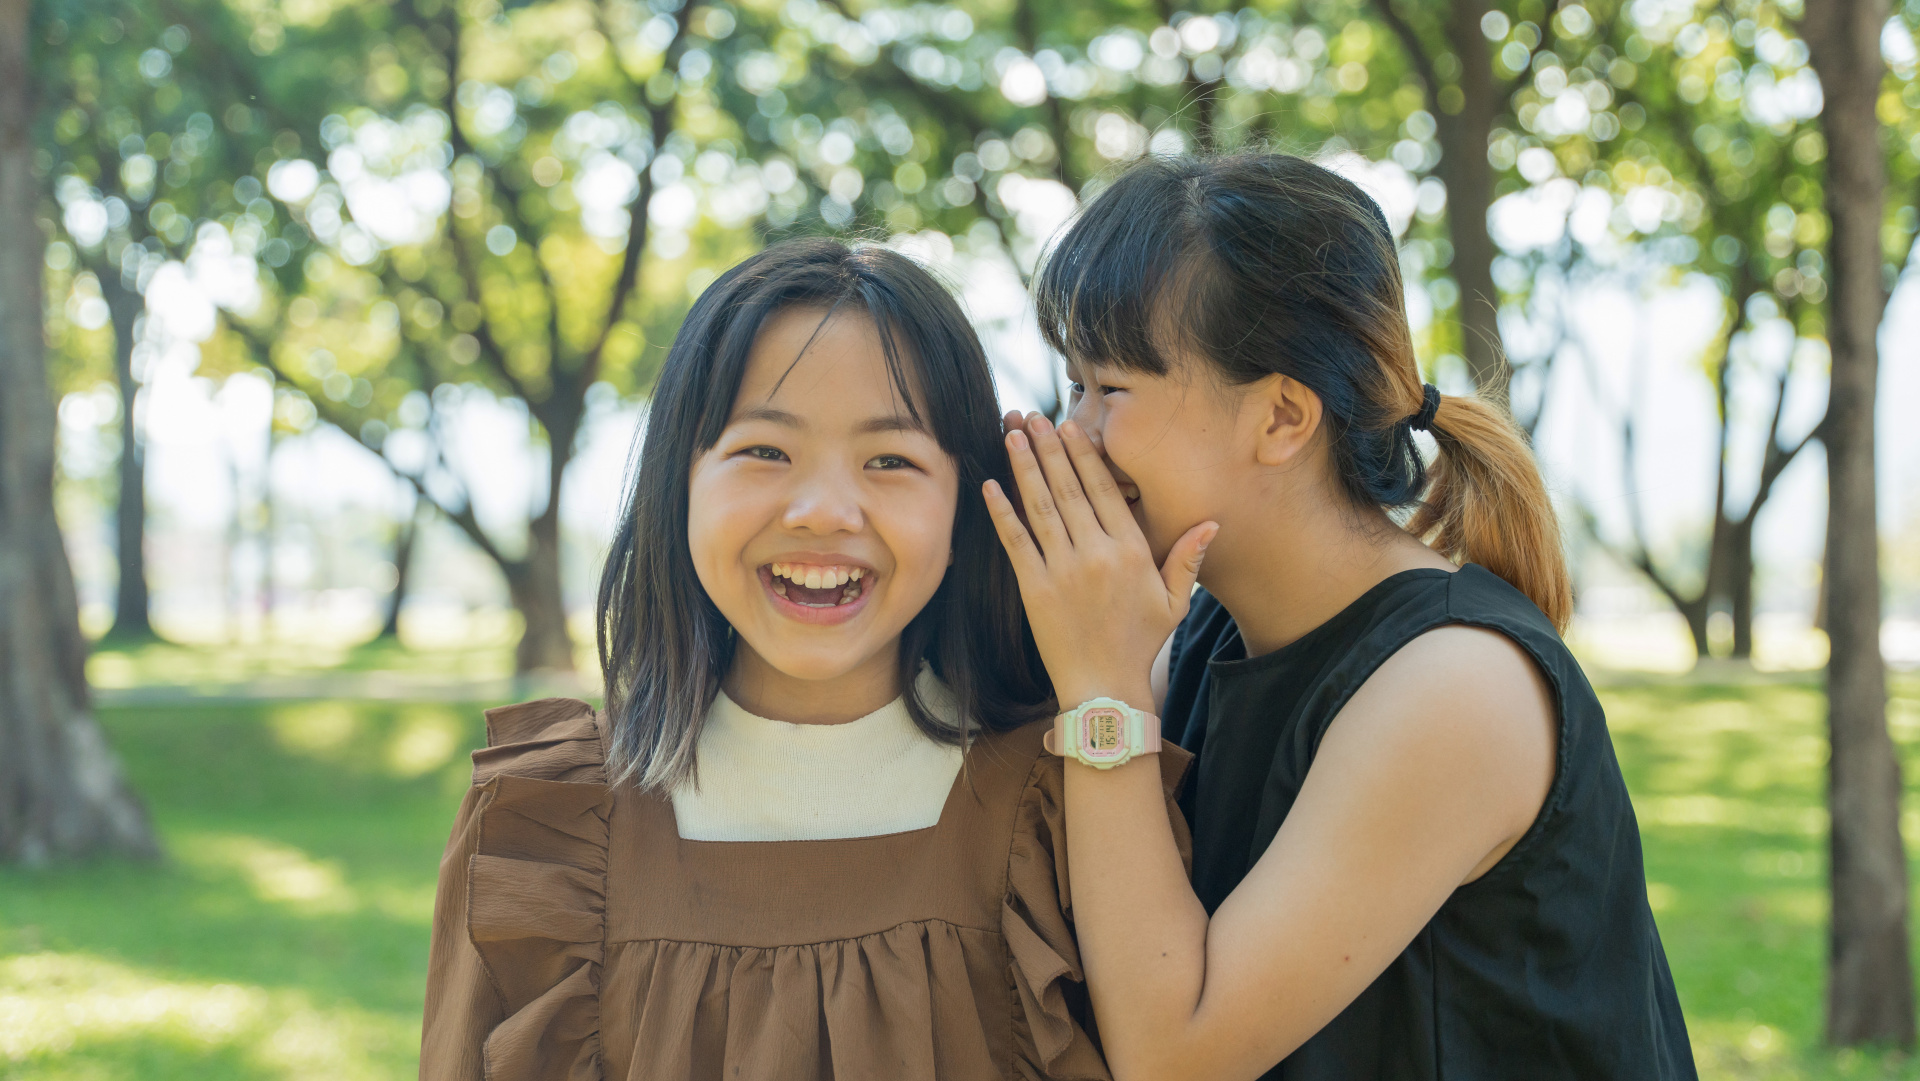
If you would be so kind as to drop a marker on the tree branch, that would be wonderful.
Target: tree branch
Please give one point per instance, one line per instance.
(1029, 37)
(659, 126)
(1415, 49)
(462, 516)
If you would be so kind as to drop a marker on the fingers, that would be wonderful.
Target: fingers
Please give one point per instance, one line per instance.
(1043, 515)
(1102, 492)
(1021, 551)
(1182, 568)
(1014, 421)
(1069, 494)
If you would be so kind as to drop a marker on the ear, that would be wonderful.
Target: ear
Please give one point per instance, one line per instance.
(1289, 417)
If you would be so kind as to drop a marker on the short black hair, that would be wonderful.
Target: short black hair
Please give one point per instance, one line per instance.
(664, 646)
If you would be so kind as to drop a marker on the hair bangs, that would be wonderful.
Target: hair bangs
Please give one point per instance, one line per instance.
(1120, 287)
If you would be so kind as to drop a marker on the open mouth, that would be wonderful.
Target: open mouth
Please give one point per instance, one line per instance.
(812, 585)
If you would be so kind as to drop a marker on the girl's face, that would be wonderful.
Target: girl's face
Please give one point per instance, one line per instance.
(1179, 445)
(821, 522)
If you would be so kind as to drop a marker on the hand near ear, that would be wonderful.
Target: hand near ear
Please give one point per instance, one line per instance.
(1099, 607)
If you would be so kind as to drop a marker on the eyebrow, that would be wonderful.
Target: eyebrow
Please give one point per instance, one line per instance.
(890, 422)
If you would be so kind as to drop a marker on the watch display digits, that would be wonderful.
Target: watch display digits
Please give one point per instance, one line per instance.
(1104, 733)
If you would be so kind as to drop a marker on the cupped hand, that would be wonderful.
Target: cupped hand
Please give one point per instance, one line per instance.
(1099, 607)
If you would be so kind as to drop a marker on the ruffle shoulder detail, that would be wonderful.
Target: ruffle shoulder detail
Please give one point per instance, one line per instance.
(1054, 1034)
(537, 887)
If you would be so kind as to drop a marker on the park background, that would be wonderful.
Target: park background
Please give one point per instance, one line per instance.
(351, 310)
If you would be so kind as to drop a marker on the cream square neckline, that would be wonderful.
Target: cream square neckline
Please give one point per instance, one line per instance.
(765, 780)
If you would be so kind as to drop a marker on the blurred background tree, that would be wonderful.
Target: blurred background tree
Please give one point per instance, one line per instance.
(61, 791)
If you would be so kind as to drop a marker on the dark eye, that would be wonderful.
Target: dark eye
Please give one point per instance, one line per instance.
(1077, 388)
(890, 461)
(766, 454)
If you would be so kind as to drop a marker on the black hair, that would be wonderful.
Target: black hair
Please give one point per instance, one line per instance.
(665, 647)
(1263, 264)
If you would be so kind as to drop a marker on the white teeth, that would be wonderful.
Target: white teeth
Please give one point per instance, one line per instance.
(816, 577)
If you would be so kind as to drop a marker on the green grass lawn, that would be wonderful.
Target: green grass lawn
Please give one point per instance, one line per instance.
(285, 936)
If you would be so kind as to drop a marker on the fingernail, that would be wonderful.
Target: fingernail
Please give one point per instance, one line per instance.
(1068, 427)
(1018, 439)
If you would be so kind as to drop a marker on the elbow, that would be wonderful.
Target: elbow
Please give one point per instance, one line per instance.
(1164, 1062)
(1190, 1058)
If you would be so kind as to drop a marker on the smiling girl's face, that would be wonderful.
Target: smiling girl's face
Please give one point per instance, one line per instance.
(821, 522)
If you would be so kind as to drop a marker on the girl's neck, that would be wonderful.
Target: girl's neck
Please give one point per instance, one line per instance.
(1299, 562)
(765, 691)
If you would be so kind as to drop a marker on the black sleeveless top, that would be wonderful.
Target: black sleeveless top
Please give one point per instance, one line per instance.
(1549, 965)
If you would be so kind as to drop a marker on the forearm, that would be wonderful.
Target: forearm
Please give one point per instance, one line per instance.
(1142, 932)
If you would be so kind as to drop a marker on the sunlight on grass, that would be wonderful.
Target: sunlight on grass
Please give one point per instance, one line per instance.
(284, 937)
(424, 741)
(321, 729)
(277, 873)
(56, 1007)
(419, 739)
(1728, 783)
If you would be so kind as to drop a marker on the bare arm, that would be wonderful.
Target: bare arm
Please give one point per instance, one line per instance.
(1429, 775)
(1434, 769)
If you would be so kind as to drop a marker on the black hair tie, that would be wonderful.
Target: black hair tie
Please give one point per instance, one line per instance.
(1429, 405)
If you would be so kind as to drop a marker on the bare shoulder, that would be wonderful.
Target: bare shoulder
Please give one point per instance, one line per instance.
(1467, 705)
(1464, 671)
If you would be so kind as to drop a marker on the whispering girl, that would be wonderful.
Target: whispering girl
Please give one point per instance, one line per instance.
(1414, 857)
(813, 834)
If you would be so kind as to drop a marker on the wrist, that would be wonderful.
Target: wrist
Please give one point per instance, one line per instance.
(1137, 693)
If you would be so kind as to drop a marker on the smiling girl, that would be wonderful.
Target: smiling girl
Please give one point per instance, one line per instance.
(813, 835)
(1414, 857)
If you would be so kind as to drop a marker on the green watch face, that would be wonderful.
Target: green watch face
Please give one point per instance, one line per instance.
(1103, 734)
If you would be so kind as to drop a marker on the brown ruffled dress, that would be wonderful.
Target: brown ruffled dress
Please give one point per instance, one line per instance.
(576, 936)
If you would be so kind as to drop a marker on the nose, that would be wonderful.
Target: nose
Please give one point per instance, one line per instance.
(1088, 415)
(824, 501)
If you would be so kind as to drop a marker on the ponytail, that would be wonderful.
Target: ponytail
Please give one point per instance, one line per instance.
(1486, 504)
(1269, 264)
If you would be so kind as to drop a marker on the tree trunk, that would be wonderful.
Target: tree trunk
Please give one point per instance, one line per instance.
(1468, 175)
(1695, 613)
(1870, 993)
(534, 582)
(61, 792)
(403, 542)
(131, 615)
(534, 585)
(1739, 580)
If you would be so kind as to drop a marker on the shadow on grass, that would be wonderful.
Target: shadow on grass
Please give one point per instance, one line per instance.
(303, 841)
